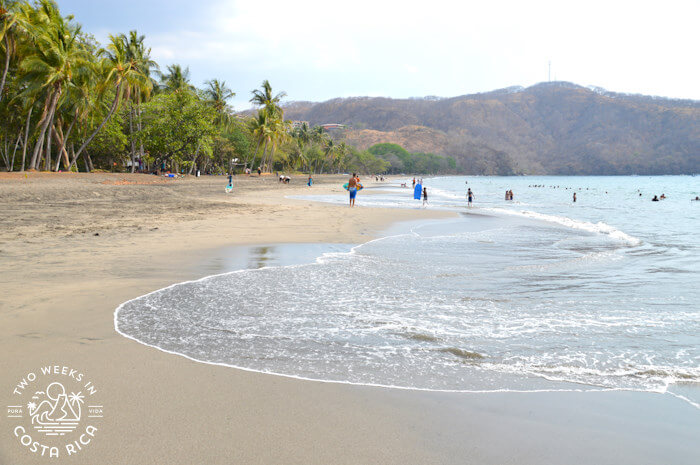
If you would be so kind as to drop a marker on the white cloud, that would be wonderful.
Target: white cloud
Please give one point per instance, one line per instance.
(319, 49)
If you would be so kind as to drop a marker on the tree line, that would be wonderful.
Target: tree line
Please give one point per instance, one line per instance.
(69, 103)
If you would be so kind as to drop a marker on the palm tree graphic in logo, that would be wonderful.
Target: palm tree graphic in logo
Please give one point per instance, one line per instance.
(58, 413)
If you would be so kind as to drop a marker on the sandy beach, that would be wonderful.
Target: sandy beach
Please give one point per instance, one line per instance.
(75, 246)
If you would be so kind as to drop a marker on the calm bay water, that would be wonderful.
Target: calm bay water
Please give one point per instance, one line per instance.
(535, 293)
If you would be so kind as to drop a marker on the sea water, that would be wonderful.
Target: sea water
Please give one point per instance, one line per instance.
(537, 293)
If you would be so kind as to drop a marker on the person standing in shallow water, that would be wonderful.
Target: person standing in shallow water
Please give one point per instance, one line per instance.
(352, 188)
(425, 196)
(574, 197)
(470, 197)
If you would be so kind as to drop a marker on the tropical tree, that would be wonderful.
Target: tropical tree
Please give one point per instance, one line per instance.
(8, 38)
(176, 80)
(140, 89)
(218, 95)
(264, 97)
(56, 56)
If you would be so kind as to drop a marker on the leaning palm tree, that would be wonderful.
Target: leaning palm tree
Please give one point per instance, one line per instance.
(56, 56)
(118, 75)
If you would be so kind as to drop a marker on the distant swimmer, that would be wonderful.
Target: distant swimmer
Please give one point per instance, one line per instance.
(425, 196)
(470, 197)
(655, 199)
(663, 196)
(574, 197)
(696, 198)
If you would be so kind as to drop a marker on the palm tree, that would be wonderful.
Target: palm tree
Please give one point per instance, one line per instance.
(55, 57)
(120, 74)
(279, 132)
(260, 127)
(264, 98)
(176, 79)
(7, 36)
(329, 152)
(218, 94)
(140, 60)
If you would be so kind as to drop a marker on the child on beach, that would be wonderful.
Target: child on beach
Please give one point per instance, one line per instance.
(425, 196)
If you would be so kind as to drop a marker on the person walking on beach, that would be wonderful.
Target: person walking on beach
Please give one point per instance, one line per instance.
(352, 188)
(470, 197)
(425, 196)
(310, 181)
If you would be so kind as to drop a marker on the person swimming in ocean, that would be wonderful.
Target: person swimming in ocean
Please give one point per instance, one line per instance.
(655, 199)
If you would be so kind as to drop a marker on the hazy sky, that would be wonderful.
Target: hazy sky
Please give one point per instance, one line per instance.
(317, 50)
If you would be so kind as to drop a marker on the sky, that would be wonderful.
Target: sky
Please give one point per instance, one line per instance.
(318, 50)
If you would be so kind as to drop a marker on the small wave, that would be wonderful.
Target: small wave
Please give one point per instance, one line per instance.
(416, 336)
(461, 353)
(599, 227)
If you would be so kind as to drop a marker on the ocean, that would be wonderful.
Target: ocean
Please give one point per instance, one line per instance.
(534, 294)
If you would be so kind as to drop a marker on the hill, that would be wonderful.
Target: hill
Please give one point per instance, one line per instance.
(549, 128)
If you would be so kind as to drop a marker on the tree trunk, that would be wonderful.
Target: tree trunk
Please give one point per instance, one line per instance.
(131, 136)
(86, 161)
(49, 137)
(26, 137)
(194, 160)
(62, 151)
(262, 157)
(7, 65)
(272, 157)
(139, 126)
(245, 163)
(115, 103)
(43, 124)
(14, 152)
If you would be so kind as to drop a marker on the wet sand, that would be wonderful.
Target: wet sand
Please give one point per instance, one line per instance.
(61, 283)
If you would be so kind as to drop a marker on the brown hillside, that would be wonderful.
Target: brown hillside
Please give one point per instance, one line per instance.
(549, 128)
(412, 138)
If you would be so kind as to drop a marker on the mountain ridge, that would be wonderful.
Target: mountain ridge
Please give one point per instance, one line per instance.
(547, 128)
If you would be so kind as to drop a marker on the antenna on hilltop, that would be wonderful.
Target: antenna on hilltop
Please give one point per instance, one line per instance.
(549, 71)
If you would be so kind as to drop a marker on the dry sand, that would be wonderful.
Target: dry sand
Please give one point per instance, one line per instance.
(60, 284)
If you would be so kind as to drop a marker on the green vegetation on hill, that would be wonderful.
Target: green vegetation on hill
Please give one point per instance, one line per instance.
(402, 161)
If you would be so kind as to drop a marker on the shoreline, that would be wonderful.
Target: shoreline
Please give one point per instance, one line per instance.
(62, 293)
